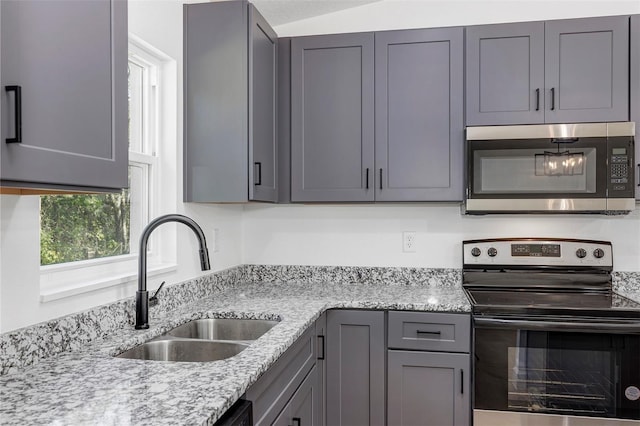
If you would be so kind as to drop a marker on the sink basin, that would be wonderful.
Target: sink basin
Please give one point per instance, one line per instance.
(202, 340)
(223, 329)
(184, 350)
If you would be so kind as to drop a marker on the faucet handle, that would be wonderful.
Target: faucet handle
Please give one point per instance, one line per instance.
(153, 300)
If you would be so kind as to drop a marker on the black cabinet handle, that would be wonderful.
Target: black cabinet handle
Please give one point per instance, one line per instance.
(380, 178)
(537, 99)
(461, 382)
(367, 187)
(321, 339)
(18, 111)
(553, 98)
(639, 173)
(437, 333)
(258, 173)
(296, 421)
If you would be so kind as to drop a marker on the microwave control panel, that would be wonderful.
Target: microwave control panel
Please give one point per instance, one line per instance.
(620, 167)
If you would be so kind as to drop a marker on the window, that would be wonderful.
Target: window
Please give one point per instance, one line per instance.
(79, 233)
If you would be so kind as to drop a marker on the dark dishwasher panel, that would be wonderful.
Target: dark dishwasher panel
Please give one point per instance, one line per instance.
(240, 414)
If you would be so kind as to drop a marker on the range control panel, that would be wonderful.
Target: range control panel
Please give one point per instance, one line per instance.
(537, 252)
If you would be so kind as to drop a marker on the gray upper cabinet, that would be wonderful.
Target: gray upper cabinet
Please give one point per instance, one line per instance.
(419, 115)
(230, 122)
(505, 74)
(635, 90)
(355, 363)
(587, 70)
(332, 116)
(574, 71)
(64, 95)
(428, 388)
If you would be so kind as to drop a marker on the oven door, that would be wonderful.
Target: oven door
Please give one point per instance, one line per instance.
(557, 367)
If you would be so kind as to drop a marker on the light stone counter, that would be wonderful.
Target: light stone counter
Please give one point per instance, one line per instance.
(88, 386)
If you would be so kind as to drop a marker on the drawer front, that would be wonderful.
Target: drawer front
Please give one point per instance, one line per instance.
(430, 331)
(277, 385)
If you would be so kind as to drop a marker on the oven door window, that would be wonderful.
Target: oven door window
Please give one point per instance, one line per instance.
(557, 372)
(537, 168)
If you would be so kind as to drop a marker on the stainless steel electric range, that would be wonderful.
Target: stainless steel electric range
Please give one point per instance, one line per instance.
(553, 344)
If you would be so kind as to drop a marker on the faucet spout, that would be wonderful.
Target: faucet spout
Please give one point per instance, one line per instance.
(142, 296)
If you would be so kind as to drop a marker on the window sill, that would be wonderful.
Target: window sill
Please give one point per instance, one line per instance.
(62, 292)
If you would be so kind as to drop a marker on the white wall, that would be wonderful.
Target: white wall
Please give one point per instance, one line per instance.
(372, 235)
(402, 14)
(160, 24)
(338, 235)
(361, 235)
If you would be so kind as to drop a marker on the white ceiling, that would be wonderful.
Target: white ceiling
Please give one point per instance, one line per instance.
(279, 12)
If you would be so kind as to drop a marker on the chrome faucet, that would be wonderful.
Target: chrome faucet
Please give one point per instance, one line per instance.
(142, 296)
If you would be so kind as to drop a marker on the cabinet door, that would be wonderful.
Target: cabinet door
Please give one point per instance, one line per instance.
(70, 60)
(635, 90)
(302, 408)
(428, 388)
(332, 118)
(321, 335)
(355, 368)
(419, 125)
(505, 74)
(263, 156)
(587, 70)
(216, 102)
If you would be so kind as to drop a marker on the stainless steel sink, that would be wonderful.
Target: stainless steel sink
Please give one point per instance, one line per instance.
(184, 350)
(202, 340)
(223, 329)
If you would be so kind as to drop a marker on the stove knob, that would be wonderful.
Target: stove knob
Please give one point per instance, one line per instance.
(598, 253)
(492, 252)
(581, 253)
(475, 252)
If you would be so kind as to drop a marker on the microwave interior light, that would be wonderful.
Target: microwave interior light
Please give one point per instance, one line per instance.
(559, 163)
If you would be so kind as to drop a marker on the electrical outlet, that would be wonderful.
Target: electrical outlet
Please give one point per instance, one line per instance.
(216, 240)
(409, 242)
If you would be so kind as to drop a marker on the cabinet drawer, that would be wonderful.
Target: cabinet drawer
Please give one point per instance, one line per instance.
(277, 385)
(430, 331)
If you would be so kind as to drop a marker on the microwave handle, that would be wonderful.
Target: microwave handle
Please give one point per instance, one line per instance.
(630, 327)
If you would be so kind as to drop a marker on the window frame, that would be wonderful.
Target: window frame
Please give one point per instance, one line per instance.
(72, 278)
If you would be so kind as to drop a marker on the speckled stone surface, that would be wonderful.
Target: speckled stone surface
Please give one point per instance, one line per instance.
(627, 284)
(28, 345)
(87, 385)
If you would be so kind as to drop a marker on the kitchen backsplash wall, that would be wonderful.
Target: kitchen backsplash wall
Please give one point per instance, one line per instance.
(371, 235)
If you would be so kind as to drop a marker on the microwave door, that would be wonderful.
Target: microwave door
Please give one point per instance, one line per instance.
(538, 174)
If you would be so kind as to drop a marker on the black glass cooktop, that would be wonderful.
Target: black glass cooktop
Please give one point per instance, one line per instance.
(598, 304)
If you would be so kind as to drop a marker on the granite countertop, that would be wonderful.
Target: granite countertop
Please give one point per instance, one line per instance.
(90, 386)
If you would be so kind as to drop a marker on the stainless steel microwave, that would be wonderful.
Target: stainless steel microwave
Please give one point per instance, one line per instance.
(555, 168)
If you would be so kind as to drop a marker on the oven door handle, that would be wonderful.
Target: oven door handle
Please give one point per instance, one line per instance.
(559, 325)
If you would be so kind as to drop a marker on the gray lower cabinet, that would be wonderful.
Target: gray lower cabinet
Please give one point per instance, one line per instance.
(419, 115)
(428, 388)
(272, 394)
(230, 119)
(332, 116)
(635, 90)
(429, 369)
(554, 72)
(302, 409)
(355, 365)
(64, 95)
